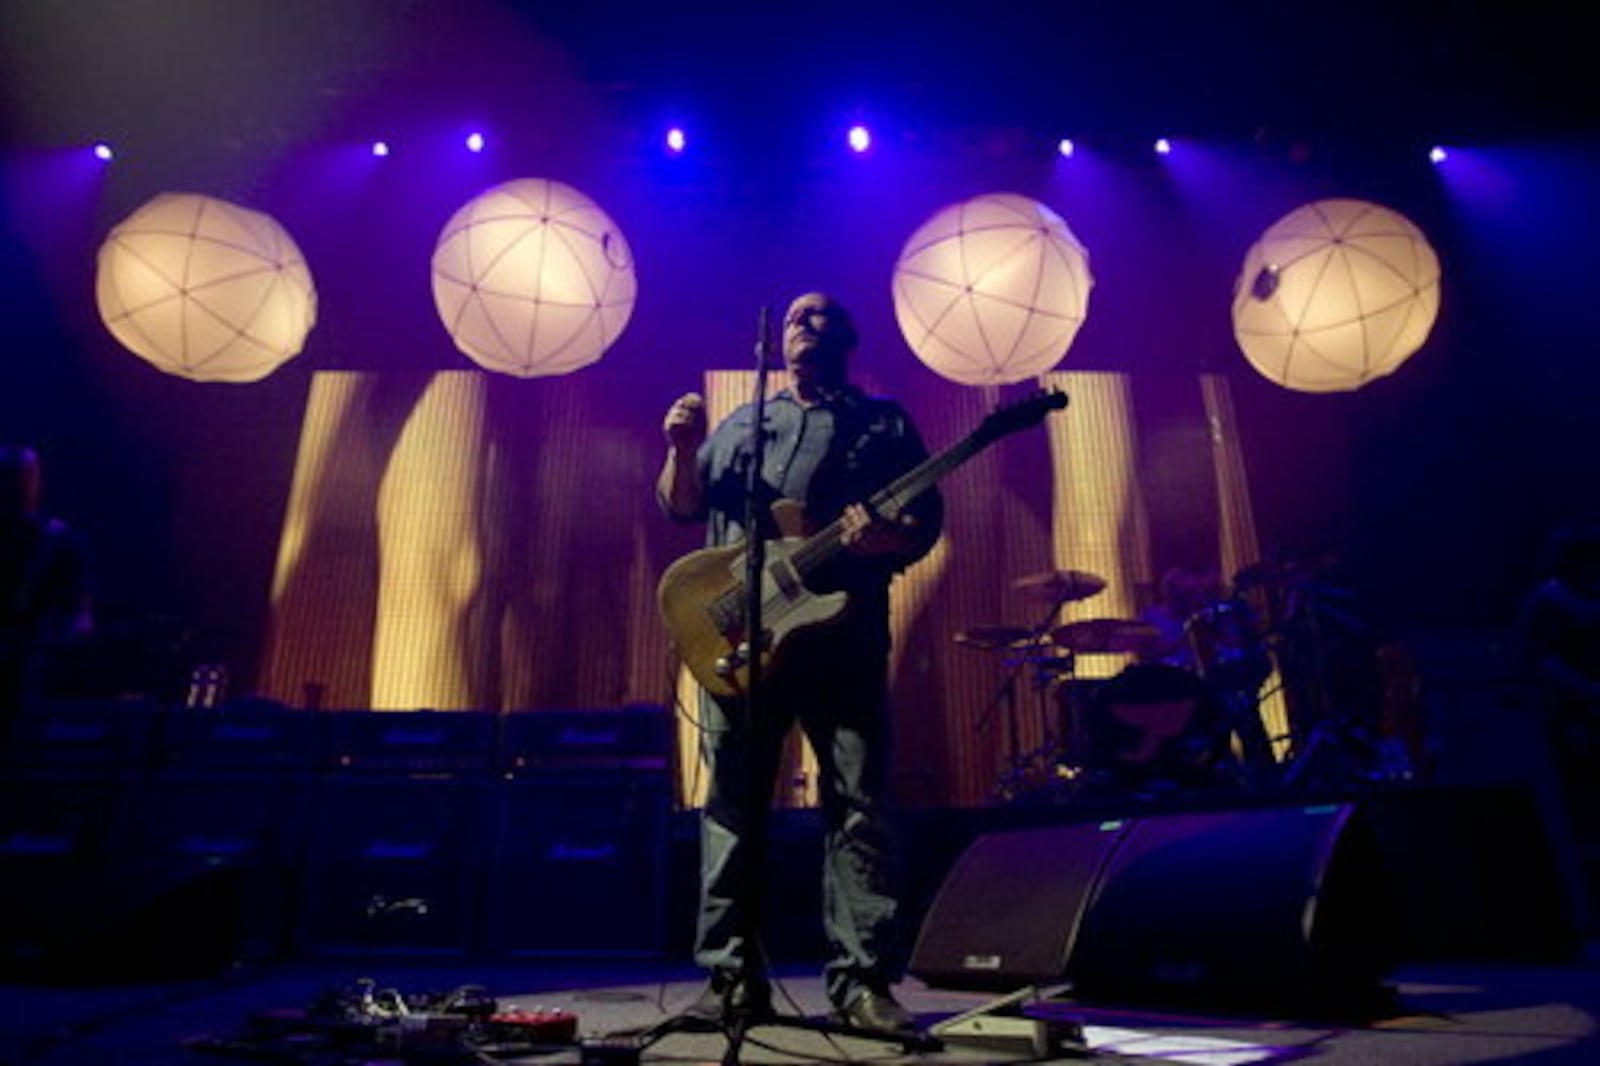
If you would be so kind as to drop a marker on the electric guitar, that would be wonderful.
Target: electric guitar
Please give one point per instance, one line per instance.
(702, 595)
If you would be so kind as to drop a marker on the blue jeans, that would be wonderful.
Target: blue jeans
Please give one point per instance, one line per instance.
(841, 704)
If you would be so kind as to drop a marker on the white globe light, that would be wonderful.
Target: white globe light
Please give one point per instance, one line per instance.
(205, 289)
(991, 291)
(532, 279)
(1335, 294)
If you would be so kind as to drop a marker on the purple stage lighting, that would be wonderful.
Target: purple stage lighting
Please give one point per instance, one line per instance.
(676, 141)
(1163, 146)
(102, 152)
(474, 142)
(380, 148)
(1066, 147)
(1437, 154)
(860, 138)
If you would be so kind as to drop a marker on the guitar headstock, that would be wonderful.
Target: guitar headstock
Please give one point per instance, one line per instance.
(1023, 413)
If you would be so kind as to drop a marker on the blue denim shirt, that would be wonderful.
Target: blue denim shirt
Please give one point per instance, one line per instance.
(824, 456)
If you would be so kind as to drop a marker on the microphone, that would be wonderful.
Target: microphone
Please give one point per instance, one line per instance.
(764, 337)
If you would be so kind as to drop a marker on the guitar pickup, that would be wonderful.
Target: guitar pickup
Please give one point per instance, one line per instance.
(784, 577)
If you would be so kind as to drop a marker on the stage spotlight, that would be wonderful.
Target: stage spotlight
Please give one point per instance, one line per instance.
(1163, 146)
(676, 141)
(1437, 154)
(860, 138)
(380, 148)
(1065, 147)
(475, 142)
(102, 152)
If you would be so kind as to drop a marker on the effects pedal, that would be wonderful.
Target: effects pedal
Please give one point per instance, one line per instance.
(539, 1025)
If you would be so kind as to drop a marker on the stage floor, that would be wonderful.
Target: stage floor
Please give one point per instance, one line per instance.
(1445, 1014)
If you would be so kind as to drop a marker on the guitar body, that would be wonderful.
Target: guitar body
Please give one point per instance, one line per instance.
(702, 605)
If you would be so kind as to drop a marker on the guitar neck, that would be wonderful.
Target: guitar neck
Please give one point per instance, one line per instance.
(890, 501)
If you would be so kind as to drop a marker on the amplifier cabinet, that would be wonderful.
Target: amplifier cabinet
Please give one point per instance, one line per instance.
(580, 862)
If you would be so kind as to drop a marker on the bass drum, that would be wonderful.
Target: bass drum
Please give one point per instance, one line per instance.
(1154, 724)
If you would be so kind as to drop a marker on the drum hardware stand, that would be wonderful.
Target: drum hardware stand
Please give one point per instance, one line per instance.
(1318, 730)
(1359, 757)
(1005, 696)
(1241, 712)
(1031, 650)
(1298, 616)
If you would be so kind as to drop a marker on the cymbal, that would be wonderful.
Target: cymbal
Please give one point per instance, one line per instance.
(991, 638)
(1104, 636)
(1281, 571)
(1061, 586)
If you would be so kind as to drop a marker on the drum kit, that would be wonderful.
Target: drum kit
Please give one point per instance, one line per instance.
(1165, 720)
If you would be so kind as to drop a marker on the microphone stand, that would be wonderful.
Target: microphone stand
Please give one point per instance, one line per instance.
(755, 543)
(755, 562)
(734, 1027)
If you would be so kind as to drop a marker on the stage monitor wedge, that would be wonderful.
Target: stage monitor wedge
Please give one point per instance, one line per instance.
(1009, 911)
(1273, 908)
(1284, 907)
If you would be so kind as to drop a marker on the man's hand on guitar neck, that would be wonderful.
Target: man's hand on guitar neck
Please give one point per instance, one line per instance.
(865, 533)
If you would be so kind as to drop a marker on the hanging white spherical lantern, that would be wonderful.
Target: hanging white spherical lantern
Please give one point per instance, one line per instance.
(991, 291)
(1335, 294)
(205, 289)
(532, 279)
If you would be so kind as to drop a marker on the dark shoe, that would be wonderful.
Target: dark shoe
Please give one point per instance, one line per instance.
(876, 1010)
(728, 997)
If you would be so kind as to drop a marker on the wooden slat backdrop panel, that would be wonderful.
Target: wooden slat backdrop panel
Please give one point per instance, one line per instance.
(465, 541)
(1239, 544)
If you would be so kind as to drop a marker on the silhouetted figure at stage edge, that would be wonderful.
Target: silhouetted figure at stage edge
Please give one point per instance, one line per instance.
(1559, 625)
(829, 447)
(44, 592)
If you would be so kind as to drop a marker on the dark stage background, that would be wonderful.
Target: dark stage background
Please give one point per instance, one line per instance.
(1433, 490)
